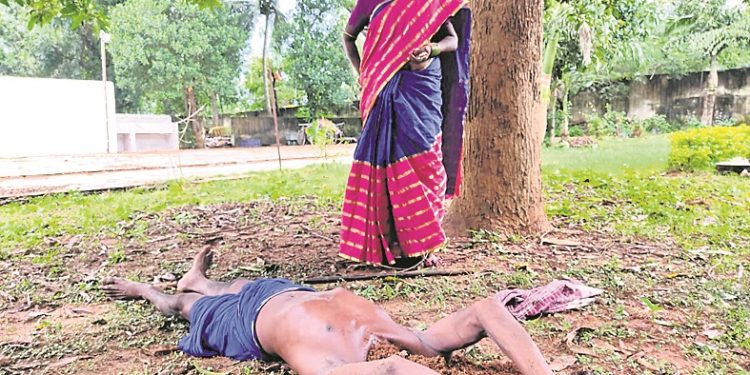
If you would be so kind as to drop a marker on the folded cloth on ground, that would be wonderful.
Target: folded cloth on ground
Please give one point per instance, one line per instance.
(557, 296)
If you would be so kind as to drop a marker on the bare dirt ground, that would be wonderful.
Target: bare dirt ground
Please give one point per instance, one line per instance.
(55, 320)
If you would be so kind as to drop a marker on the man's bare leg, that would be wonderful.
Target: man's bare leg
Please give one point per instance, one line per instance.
(485, 318)
(195, 279)
(179, 304)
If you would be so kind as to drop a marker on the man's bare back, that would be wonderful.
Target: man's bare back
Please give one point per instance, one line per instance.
(331, 332)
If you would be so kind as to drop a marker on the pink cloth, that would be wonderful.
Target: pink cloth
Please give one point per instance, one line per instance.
(557, 296)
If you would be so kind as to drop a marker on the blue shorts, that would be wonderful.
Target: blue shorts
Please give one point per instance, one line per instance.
(225, 325)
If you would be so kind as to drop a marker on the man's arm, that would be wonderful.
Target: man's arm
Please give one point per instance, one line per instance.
(485, 318)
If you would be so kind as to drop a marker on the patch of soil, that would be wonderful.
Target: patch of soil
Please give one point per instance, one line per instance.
(458, 365)
(298, 239)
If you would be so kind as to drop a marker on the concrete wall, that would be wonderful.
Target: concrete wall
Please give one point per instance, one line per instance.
(262, 127)
(144, 133)
(674, 98)
(55, 117)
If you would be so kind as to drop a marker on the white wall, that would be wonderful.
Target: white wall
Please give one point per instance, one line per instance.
(41, 116)
(143, 133)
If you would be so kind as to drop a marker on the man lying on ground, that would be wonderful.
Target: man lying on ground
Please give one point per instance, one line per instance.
(321, 333)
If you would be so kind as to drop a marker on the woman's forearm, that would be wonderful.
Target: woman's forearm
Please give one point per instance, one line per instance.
(350, 46)
(448, 44)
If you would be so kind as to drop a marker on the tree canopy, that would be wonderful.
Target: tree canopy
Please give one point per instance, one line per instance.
(78, 12)
(162, 47)
(315, 61)
(286, 94)
(52, 50)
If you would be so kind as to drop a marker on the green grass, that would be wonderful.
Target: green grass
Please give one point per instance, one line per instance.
(616, 187)
(27, 224)
(620, 188)
(700, 210)
(612, 156)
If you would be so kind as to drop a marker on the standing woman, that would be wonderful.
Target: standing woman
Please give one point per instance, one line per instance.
(414, 73)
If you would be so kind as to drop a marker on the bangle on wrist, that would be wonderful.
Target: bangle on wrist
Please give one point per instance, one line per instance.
(435, 49)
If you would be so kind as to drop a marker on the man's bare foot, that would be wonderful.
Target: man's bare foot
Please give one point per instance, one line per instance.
(201, 263)
(121, 289)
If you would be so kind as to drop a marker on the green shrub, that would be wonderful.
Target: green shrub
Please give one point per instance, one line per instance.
(613, 123)
(742, 120)
(598, 127)
(687, 122)
(701, 149)
(575, 131)
(322, 133)
(657, 125)
(619, 123)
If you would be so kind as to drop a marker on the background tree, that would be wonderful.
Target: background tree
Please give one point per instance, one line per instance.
(502, 185)
(53, 50)
(269, 9)
(286, 94)
(311, 45)
(170, 54)
(78, 12)
(710, 27)
(583, 36)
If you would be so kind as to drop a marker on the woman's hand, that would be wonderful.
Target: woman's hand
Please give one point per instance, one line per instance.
(421, 54)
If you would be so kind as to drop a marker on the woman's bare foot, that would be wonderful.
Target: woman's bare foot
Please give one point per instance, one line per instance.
(121, 289)
(404, 262)
(432, 260)
(395, 249)
(201, 263)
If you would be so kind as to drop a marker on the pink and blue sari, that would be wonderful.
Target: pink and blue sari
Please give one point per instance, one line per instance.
(408, 159)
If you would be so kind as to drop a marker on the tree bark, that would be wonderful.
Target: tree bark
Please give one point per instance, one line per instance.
(709, 101)
(264, 59)
(195, 121)
(553, 120)
(215, 109)
(502, 171)
(565, 125)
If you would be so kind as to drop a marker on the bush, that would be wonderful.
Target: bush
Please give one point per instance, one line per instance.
(701, 149)
(687, 122)
(613, 123)
(598, 127)
(322, 133)
(742, 120)
(657, 125)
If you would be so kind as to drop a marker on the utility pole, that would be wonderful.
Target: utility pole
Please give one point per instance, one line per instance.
(105, 38)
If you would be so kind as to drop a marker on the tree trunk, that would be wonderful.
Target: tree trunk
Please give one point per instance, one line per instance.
(565, 126)
(502, 172)
(195, 121)
(553, 119)
(215, 109)
(709, 102)
(266, 38)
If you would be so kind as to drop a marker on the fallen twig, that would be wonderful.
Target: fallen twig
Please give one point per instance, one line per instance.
(400, 275)
(315, 234)
(559, 242)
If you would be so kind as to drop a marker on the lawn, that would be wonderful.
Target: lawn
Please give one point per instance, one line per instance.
(670, 250)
